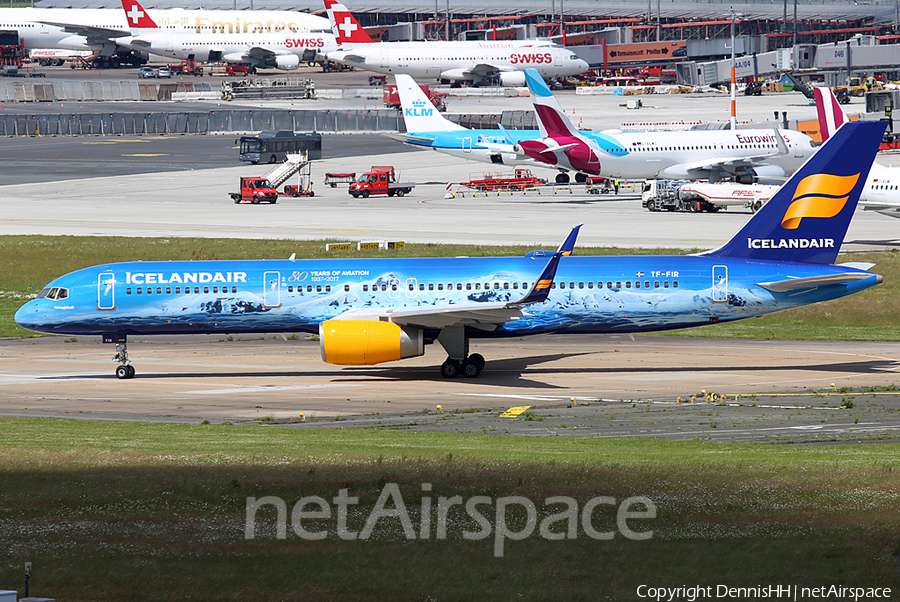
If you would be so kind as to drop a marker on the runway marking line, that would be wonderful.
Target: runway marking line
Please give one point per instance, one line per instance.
(514, 411)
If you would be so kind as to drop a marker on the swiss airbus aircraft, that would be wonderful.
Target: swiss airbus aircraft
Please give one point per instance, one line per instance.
(882, 190)
(368, 311)
(746, 155)
(97, 29)
(282, 49)
(481, 62)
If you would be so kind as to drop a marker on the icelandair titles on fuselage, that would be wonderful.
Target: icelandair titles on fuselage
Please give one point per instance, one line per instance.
(184, 277)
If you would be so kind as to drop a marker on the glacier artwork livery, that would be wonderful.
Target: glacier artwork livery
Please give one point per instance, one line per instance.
(368, 311)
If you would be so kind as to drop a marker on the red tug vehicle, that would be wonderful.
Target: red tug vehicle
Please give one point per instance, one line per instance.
(380, 180)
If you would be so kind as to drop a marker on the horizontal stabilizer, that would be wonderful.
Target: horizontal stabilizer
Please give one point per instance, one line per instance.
(559, 149)
(795, 284)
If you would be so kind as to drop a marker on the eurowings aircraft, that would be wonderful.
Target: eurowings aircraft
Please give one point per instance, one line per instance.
(481, 62)
(882, 190)
(97, 29)
(282, 50)
(368, 311)
(746, 155)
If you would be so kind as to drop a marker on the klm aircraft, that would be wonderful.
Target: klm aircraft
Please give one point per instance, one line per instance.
(743, 155)
(368, 311)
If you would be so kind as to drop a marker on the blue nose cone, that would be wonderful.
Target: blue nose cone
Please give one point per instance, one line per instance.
(28, 316)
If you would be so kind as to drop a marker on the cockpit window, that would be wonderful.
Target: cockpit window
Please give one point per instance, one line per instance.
(54, 292)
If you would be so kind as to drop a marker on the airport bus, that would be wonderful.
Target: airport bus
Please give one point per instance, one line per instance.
(270, 146)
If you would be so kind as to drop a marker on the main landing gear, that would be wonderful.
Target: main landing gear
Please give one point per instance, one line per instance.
(455, 342)
(470, 367)
(125, 370)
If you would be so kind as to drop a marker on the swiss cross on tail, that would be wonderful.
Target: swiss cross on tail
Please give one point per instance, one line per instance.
(137, 16)
(344, 25)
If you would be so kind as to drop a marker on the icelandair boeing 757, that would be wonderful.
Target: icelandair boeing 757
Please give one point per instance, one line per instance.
(368, 311)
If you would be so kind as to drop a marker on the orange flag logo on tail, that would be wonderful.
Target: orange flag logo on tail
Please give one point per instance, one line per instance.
(818, 195)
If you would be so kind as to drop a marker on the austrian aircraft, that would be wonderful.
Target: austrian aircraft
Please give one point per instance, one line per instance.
(97, 29)
(882, 190)
(368, 311)
(480, 62)
(282, 50)
(745, 155)
(748, 156)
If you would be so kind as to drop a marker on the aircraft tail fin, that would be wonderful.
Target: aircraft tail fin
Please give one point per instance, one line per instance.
(419, 113)
(831, 115)
(807, 218)
(346, 28)
(552, 120)
(137, 17)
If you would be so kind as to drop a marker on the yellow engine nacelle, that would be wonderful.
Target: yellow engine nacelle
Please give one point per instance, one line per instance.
(367, 342)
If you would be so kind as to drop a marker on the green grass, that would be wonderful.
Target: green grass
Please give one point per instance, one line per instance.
(32, 261)
(129, 511)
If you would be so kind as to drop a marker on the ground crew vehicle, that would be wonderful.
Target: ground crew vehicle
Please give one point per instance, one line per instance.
(188, 67)
(255, 191)
(265, 189)
(391, 98)
(333, 179)
(519, 179)
(380, 180)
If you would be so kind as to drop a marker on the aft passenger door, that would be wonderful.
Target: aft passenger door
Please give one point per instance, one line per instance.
(467, 144)
(272, 290)
(720, 284)
(106, 291)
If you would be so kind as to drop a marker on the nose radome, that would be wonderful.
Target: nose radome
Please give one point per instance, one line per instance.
(26, 316)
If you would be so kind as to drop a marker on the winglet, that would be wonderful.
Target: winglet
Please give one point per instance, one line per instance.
(541, 288)
(569, 244)
(136, 16)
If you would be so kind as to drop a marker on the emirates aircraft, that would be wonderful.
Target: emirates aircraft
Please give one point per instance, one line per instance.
(97, 30)
(265, 47)
(480, 62)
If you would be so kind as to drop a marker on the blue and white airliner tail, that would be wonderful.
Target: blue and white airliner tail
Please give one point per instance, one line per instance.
(369, 311)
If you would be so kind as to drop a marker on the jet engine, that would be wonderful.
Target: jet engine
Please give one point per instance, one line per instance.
(287, 62)
(456, 74)
(368, 342)
(762, 174)
(512, 78)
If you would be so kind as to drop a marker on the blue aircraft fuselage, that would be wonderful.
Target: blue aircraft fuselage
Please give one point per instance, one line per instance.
(590, 294)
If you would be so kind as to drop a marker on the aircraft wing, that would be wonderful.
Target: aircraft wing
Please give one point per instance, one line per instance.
(92, 33)
(729, 164)
(885, 209)
(260, 53)
(486, 316)
(410, 138)
(796, 284)
(485, 70)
